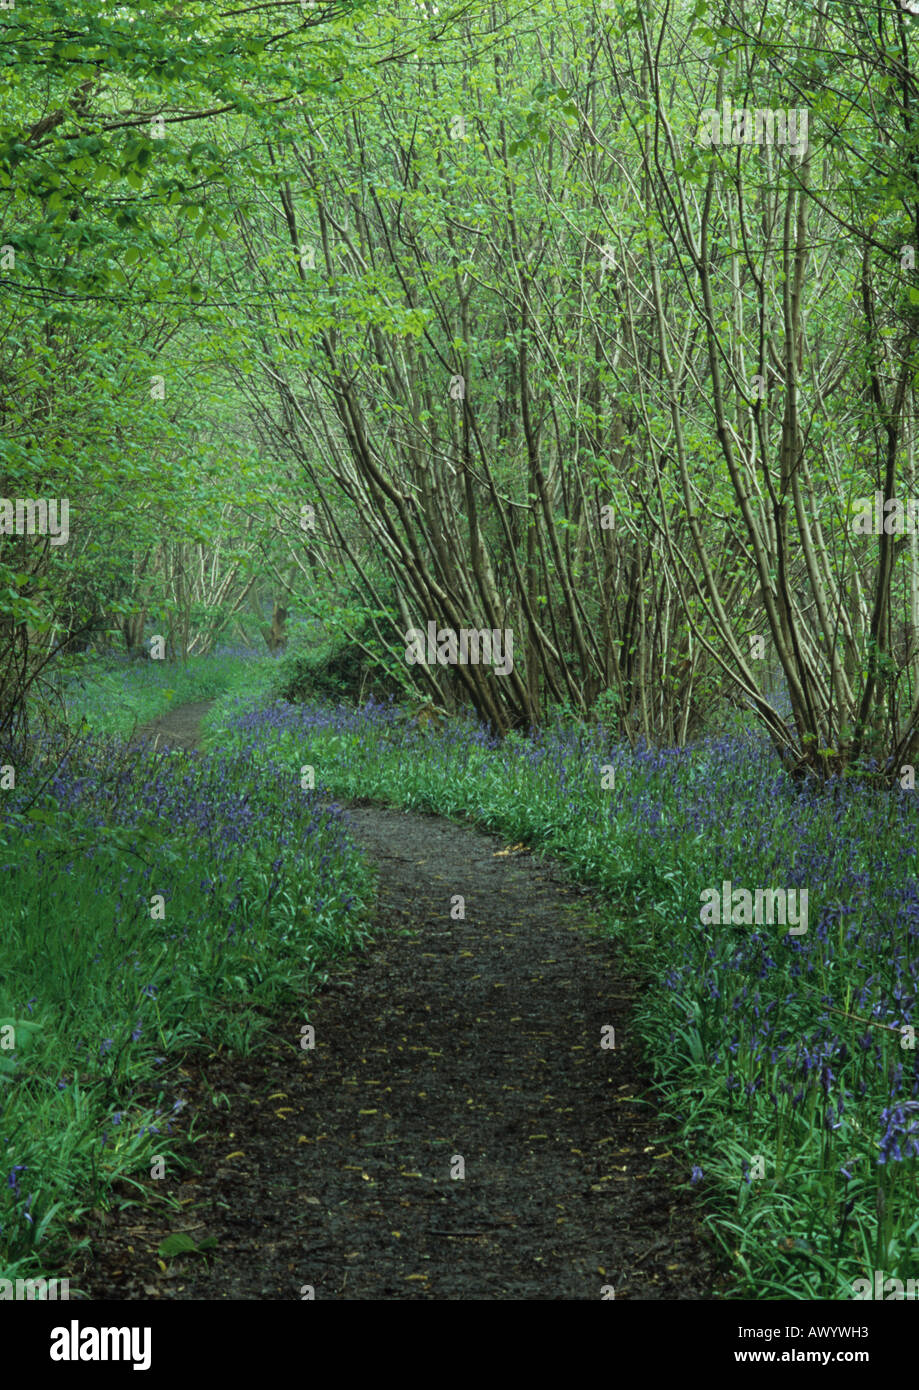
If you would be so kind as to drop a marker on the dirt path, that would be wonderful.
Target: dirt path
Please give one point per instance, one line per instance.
(474, 1040)
(179, 727)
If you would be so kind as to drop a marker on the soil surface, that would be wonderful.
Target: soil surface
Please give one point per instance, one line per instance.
(178, 728)
(456, 1132)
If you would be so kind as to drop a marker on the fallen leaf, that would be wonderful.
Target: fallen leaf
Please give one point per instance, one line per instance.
(177, 1244)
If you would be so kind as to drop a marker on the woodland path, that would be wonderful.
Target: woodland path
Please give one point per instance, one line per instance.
(478, 1038)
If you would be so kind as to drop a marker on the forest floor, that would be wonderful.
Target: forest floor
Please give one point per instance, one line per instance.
(333, 1170)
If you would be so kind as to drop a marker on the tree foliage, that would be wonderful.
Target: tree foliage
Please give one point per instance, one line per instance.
(507, 317)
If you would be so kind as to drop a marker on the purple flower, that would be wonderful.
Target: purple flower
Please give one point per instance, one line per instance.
(696, 1175)
(898, 1131)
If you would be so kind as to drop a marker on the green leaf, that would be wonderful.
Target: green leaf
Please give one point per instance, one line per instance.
(177, 1244)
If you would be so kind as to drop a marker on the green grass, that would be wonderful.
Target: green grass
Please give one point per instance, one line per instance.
(153, 904)
(111, 696)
